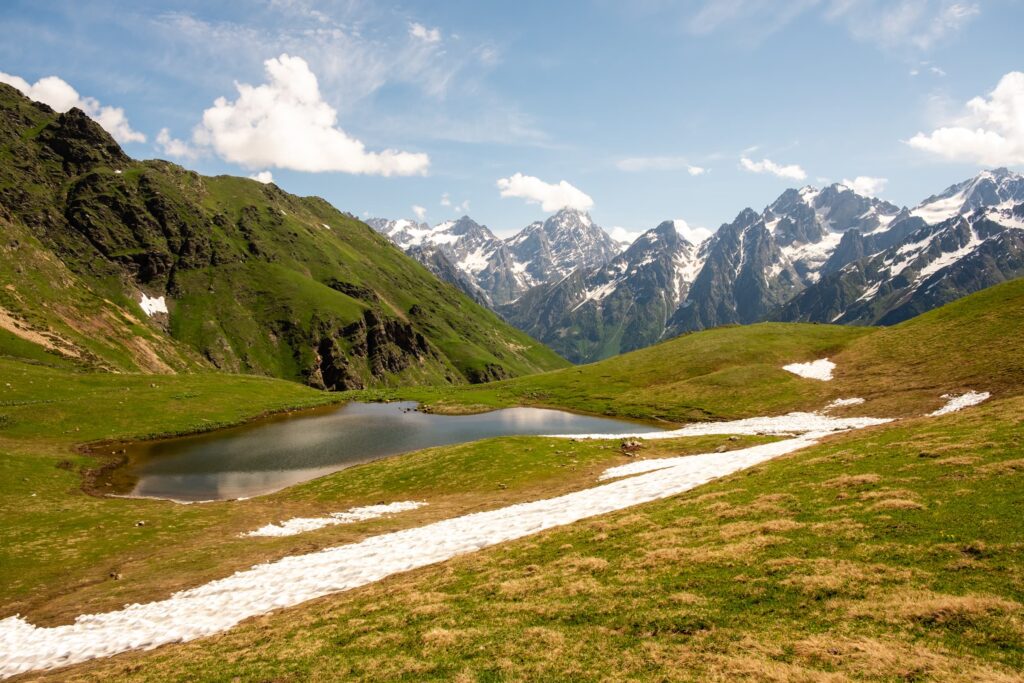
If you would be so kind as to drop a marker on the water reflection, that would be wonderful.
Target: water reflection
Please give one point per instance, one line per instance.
(264, 457)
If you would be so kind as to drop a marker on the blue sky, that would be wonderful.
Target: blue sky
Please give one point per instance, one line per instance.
(645, 109)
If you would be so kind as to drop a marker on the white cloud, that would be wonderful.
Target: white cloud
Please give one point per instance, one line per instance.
(551, 197)
(421, 212)
(285, 123)
(635, 164)
(866, 185)
(462, 208)
(691, 235)
(264, 177)
(624, 235)
(173, 147)
(791, 171)
(991, 131)
(59, 94)
(427, 35)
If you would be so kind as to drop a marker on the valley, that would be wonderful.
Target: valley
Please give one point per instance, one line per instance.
(499, 342)
(201, 543)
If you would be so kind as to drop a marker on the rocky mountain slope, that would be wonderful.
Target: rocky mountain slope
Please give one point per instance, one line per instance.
(820, 255)
(496, 271)
(126, 265)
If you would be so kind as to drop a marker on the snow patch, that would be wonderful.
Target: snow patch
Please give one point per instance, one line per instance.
(955, 403)
(150, 306)
(842, 403)
(297, 525)
(818, 369)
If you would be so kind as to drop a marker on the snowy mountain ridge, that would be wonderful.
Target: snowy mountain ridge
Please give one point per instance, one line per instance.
(784, 263)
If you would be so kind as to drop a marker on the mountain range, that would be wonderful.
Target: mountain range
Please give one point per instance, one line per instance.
(812, 255)
(496, 271)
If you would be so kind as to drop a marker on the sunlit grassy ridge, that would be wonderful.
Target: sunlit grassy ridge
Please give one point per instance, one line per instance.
(737, 371)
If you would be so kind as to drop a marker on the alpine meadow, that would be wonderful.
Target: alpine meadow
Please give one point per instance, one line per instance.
(585, 341)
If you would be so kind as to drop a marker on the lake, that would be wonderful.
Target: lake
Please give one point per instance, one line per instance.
(269, 455)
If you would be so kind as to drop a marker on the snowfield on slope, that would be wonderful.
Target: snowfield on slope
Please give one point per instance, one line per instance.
(816, 369)
(956, 403)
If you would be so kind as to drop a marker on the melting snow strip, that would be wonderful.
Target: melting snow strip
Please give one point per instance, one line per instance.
(955, 403)
(792, 423)
(221, 604)
(817, 369)
(297, 525)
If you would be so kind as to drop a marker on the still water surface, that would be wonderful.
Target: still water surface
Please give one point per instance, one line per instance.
(269, 455)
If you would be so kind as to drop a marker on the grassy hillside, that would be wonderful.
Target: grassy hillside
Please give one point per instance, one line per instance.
(731, 372)
(890, 555)
(256, 280)
(887, 554)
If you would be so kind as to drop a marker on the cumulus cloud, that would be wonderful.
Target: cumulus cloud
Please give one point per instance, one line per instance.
(59, 94)
(624, 235)
(551, 197)
(427, 35)
(264, 177)
(634, 164)
(791, 171)
(989, 133)
(866, 185)
(173, 147)
(693, 235)
(421, 212)
(285, 123)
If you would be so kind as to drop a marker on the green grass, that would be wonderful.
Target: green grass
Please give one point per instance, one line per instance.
(891, 555)
(716, 374)
(58, 544)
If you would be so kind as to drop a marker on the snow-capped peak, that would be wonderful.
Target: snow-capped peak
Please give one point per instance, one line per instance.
(808, 194)
(988, 188)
